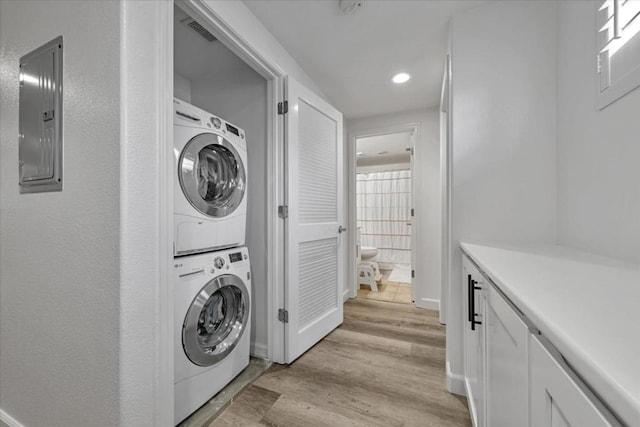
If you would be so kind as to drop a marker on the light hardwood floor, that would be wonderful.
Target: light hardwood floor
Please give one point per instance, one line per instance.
(384, 366)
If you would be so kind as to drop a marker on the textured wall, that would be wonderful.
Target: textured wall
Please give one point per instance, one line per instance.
(59, 269)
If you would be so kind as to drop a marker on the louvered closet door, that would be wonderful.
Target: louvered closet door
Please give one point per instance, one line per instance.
(315, 260)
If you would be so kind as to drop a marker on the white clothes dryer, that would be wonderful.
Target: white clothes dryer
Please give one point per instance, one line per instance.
(212, 305)
(210, 184)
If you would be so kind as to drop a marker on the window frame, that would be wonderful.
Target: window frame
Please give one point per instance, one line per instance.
(610, 91)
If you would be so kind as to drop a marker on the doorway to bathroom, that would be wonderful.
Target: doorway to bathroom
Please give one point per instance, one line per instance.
(384, 216)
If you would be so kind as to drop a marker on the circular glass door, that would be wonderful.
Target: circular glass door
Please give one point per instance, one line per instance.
(211, 175)
(216, 320)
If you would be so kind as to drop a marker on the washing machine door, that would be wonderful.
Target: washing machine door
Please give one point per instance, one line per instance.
(216, 320)
(211, 175)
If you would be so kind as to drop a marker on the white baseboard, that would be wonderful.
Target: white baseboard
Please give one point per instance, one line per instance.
(9, 420)
(345, 295)
(455, 382)
(428, 303)
(259, 350)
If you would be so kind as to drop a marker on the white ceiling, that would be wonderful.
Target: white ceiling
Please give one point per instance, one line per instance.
(384, 149)
(353, 57)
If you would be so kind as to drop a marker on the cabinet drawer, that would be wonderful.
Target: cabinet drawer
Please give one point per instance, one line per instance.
(558, 397)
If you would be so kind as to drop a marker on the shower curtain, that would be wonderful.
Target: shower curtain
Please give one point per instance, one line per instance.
(384, 214)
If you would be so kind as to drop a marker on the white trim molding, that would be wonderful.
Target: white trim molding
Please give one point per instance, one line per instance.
(9, 420)
(455, 382)
(259, 350)
(428, 303)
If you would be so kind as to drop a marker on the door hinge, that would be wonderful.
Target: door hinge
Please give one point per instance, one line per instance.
(412, 212)
(283, 107)
(283, 315)
(413, 274)
(598, 64)
(283, 211)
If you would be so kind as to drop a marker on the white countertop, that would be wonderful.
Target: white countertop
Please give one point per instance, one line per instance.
(587, 306)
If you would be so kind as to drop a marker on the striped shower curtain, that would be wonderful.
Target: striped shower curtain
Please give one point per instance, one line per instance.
(384, 215)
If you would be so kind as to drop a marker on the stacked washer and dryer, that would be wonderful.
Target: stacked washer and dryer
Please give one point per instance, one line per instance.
(212, 282)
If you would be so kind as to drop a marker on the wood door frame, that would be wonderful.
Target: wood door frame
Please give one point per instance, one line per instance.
(352, 271)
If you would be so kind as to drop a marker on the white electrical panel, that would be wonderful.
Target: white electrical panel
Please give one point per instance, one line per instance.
(40, 119)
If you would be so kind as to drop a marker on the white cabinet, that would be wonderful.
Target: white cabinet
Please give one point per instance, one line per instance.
(495, 342)
(474, 351)
(558, 397)
(513, 376)
(506, 342)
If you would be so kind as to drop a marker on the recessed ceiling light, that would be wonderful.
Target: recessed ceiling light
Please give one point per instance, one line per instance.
(360, 154)
(401, 78)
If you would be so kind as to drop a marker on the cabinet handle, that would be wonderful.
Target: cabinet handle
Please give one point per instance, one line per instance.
(469, 293)
(473, 288)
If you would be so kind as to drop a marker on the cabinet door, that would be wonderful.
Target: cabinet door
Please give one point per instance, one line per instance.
(558, 398)
(507, 340)
(473, 341)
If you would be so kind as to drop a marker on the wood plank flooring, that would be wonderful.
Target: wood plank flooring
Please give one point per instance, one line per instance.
(384, 366)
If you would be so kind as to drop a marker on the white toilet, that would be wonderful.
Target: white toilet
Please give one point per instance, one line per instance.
(367, 253)
(368, 270)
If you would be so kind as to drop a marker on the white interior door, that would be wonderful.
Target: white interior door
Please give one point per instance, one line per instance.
(314, 245)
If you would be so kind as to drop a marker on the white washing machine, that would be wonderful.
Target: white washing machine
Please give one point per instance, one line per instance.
(212, 305)
(210, 185)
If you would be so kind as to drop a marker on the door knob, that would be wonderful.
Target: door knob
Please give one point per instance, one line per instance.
(341, 229)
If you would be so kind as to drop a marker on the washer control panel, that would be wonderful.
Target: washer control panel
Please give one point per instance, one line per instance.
(229, 261)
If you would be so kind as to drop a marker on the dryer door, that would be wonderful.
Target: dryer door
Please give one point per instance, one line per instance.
(211, 175)
(216, 320)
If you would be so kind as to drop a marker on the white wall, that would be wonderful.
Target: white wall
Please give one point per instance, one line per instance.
(598, 151)
(504, 128)
(59, 252)
(241, 98)
(249, 28)
(181, 87)
(428, 207)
